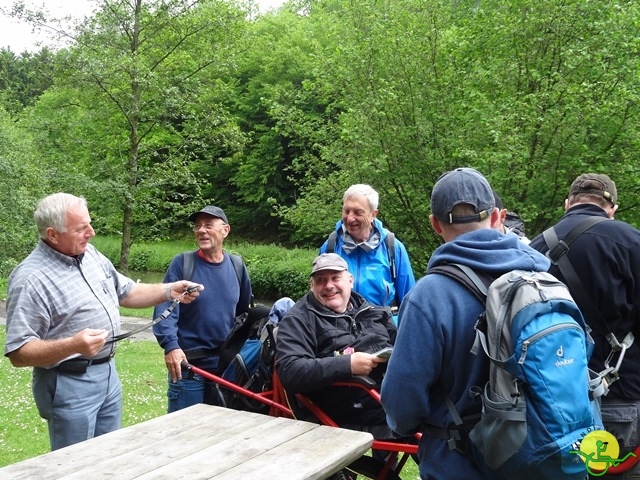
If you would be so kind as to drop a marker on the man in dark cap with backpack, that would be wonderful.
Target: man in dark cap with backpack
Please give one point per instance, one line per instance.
(601, 267)
(432, 364)
(196, 333)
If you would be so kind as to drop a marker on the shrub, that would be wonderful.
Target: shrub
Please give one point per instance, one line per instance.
(274, 271)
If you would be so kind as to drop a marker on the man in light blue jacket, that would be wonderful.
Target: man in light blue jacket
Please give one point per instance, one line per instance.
(381, 276)
(431, 359)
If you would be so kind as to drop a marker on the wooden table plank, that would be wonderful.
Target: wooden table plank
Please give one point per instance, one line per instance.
(332, 448)
(233, 451)
(202, 442)
(197, 422)
(145, 457)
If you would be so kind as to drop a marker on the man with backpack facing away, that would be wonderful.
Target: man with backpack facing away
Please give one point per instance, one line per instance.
(431, 364)
(603, 276)
(377, 260)
(196, 333)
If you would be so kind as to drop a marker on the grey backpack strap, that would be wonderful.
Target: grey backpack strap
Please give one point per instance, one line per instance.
(478, 285)
(331, 242)
(467, 277)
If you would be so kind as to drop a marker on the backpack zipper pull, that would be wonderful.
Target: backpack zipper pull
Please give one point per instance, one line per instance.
(525, 345)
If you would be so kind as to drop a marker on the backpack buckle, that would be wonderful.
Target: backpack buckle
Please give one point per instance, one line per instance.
(455, 442)
(610, 374)
(556, 252)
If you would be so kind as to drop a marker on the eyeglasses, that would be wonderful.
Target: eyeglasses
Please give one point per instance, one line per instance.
(207, 226)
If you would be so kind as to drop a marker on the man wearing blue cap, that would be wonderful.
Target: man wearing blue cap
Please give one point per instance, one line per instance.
(432, 359)
(195, 333)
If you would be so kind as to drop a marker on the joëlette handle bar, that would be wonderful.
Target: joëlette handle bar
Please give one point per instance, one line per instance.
(236, 388)
(367, 384)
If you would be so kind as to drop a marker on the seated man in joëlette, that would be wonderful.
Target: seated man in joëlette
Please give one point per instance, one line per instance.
(330, 335)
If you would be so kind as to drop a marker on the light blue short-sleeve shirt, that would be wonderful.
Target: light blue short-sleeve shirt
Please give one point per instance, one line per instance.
(53, 296)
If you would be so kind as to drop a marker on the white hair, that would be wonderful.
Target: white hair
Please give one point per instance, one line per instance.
(363, 190)
(52, 212)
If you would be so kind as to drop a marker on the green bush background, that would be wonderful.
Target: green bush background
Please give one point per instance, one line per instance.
(275, 271)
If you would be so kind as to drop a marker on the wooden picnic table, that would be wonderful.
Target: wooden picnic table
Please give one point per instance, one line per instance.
(203, 442)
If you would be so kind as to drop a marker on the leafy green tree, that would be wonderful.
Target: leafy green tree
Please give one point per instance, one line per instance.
(283, 118)
(24, 77)
(530, 93)
(137, 110)
(556, 94)
(161, 106)
(22, 186)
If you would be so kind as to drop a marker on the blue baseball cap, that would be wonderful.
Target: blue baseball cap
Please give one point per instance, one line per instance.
(462, 185)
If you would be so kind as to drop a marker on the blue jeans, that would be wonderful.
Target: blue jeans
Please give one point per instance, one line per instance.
(186, 392)
(78, 406)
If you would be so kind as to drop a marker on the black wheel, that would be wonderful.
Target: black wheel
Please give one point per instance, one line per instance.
(369, 467)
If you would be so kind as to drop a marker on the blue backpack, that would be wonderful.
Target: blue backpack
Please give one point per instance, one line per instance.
(248, 359)
(541, 399)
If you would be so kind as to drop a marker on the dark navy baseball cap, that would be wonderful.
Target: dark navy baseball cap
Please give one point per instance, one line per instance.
(210, 210)
(462, 185)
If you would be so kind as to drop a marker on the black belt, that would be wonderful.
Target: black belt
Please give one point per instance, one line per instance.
(200, 353)
(80, 365)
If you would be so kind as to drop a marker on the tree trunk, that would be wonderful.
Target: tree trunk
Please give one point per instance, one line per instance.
(134, 141)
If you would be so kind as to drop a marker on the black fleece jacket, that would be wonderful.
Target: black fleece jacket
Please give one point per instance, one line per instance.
(607, 259)
(310, 357)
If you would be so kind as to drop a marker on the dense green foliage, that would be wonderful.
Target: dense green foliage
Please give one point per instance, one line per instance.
(275, 271)
(159, 107)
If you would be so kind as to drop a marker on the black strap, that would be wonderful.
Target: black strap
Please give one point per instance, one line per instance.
(188, 264)
(390, 240)
(162, 316)
(238, 265)
(331, 242)
(558, 254)
(558, 248)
